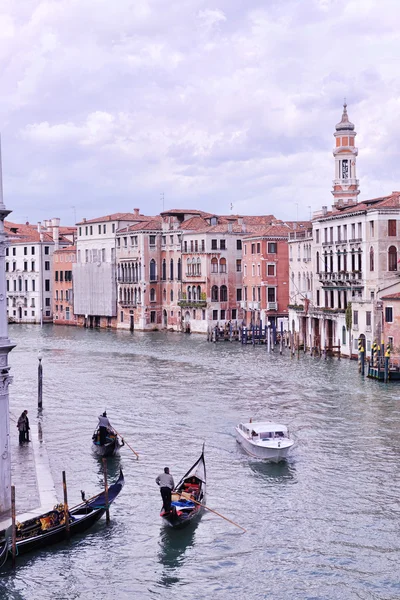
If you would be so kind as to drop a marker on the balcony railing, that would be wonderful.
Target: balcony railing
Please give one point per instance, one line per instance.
(355, 240)
(193, 303)
(272, 306)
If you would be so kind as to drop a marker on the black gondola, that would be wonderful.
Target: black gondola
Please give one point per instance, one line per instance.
(110, 447)
(193, 486)
(49, 528)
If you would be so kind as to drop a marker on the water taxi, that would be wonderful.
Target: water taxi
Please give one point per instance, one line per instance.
(264, 439)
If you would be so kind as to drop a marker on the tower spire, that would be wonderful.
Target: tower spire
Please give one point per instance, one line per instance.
(345, 185)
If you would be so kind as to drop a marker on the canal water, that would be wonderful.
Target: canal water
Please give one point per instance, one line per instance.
(323, 525)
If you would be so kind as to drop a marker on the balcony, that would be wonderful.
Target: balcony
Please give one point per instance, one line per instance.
(127, 280)
(355, 240)
(192, 303)
(272, 306)
(327, 243)
(126, 304)
(253, 305)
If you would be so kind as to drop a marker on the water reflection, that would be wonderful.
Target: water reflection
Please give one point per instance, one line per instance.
(174, 544)
(276, 472)
(114, 466)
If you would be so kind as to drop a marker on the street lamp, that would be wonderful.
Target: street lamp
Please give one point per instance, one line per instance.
(269, 336)
(40, 381)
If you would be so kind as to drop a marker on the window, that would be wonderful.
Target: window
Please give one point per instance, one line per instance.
(99, 229)
(371, 259)
(238, 244)
(253, 248)
(196, 246)
(152, 240)
(14, 251)
(271, 296)
(344, 335)
(390, 342)
(172, 297)
(214, 265)
(389, 314)
(62, 295)
(47, 265)
(355, 317)
(222, 265)
(392, 227)
(33, 285)
(222, 315)
(239, 294)
(272, 247)
(152, 295)
(271, 270)
(318, 296)
(153, 274)
(203, 245)
(215, 315)
(26, 265)
(368, 318)
(61, 275)
(46, 249)
(47, 302)
(179, 270)
(214, 293)
(392, 258)
(26, 285)
(238, 266)
(25, 250)
(122, 316)
(14, 266)
(171, 269)
(245, 249)
(7, 266)
(113, 227)
(223, 293)
(317, 236)
(47, 285)
(164, 240)
(104, 228)
(164, 270)
(222, 244)
(371, 229)
(191, 245)
(214, 244)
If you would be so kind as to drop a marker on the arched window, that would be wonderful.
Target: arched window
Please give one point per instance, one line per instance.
(198, 292)
(188, 267)
(164, 294)
(344, 335)
(172, 295)
(164, 270)
(189, 292)
(392, 258)
(198, 266)
(179, 270)
(345, 260)
(222, 265)
(353, 260)
(153, 271)
(194, 290)
(152, 295)
(120, 294)
(371, 259)
(326, 262)
(139, 295)
(223, 293)
(214, 293)
(214, 265)
(171, 269)
(125, 295)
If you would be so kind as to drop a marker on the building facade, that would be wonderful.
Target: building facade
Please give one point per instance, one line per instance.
(63, 292)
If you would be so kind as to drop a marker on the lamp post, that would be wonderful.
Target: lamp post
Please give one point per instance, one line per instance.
(40, 382)
(269, 337)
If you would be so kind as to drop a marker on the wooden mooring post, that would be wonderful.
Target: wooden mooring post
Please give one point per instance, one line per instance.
(106, 490)
(13, 526)
(66, 513)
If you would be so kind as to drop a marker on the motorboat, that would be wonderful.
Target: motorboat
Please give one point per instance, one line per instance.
(264, 439)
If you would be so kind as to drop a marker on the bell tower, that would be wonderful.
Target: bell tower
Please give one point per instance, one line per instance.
(345, 185)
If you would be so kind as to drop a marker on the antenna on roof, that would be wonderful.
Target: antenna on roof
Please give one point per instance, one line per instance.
(162, 199)
(231, 206)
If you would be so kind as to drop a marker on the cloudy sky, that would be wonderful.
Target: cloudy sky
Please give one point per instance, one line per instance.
(108, 105)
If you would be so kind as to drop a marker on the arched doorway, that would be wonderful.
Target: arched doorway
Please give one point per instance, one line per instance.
(165, 318)
(20, 313)
(187, 322)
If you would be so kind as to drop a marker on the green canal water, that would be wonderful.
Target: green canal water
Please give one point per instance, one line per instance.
(323, 525)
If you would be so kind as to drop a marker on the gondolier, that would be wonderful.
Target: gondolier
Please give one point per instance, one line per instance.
(104, 426)
(166, 483)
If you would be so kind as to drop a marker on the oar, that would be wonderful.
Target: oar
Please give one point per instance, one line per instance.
(130, 447)
(211, 510)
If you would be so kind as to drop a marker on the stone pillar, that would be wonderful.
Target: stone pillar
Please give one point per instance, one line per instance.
(5, 379)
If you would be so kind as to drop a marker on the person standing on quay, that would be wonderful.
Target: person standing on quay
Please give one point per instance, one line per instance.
(166, 483)
(23, 427)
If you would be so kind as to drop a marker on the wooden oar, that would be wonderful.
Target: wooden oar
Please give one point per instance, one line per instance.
(125, 442)
(210, 509)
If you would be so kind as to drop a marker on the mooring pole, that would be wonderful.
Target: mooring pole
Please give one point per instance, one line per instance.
(40, 382)
(14, 531)
(66, 513)
(106, 490)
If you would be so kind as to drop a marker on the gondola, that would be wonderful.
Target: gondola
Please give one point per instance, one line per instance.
(49, 528)
(193, 486)
(3, 551)
(110, 448)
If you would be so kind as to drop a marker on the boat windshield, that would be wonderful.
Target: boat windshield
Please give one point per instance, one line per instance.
(271, 435)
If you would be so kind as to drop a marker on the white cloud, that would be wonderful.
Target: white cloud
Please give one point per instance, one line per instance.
(208, 103)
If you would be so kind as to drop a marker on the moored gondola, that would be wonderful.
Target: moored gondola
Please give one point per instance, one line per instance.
(188, 496)
(3, 550)
(110, 447)
(49, 528)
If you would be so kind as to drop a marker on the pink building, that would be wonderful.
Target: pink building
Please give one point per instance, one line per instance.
(63, 298)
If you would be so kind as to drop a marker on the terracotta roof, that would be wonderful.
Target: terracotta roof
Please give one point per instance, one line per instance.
(68, 230)
(150, 225)
(391, 296)
(186, 211)
(194, 223)
(115, 217)
(65, 250)
(279, 230)
(391, 201)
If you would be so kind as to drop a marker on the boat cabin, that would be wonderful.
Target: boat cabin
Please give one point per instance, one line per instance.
(263, 430)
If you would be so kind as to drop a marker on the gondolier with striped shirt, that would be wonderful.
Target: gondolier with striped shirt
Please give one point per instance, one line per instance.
(166, 483)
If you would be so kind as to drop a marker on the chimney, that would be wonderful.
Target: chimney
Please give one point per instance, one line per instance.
(84, 220)
(243, 227)
(136, 212)
(230, 226)
(324, 210)
(56, 232)
(39, 226)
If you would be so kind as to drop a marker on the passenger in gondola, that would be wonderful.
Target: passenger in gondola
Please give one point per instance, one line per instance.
(166, 483)
(104, 426)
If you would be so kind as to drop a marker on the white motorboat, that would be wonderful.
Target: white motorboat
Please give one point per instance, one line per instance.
(264, 439)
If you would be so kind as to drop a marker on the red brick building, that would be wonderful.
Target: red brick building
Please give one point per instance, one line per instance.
(63, 296)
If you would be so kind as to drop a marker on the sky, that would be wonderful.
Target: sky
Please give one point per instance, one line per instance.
(228, 106)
